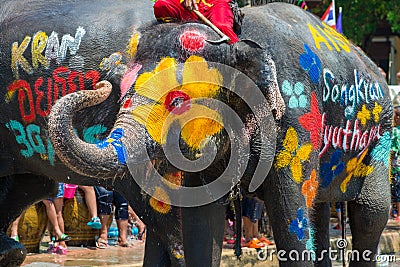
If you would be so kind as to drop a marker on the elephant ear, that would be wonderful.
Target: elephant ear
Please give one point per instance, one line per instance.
(252, 60)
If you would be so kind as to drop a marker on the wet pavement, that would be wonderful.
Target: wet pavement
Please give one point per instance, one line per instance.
(90, 256)
(133, 256)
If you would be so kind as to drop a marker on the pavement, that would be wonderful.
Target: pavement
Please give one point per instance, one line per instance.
(115, 256)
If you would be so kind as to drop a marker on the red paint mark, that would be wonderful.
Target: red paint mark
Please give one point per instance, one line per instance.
(40, 103)
(312, 122)
(128, 103)
(160, 203)
(192, 41)
(177, 102)
(93, 75)
(349, 138)
(129, 78)
(24, 91)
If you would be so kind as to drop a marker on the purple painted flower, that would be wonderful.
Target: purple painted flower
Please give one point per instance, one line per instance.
(310, 62)
(331, 169)
(299, 225)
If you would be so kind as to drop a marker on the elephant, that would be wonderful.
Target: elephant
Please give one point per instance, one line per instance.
(214, 113)
(49, 49)
(156, 144)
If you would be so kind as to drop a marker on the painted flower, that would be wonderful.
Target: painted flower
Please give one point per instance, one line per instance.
(299, 225)
(377, 112)
(115, 141)
(382, 151)
(364, 115)
(297, 98)
(160, 201)
(311, 63)
(173, 180)
(309, 188)
(293, 155)
(355, 168)
(329, 170)
(175, 102)
(312, 122)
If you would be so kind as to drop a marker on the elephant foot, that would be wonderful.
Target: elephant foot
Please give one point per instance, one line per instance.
(12, 253)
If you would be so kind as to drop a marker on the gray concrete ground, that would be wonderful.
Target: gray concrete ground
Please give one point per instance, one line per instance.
(124, 257)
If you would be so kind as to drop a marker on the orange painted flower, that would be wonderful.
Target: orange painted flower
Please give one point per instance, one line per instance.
(160, 201)
(309, 188)
(173, 180)
(175, 102)
(355, 168)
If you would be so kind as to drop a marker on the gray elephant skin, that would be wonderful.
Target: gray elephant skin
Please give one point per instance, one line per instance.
(330, 109)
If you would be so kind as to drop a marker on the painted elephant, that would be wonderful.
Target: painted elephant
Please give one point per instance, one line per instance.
(49, 49)
(293, 95)
(302, 69)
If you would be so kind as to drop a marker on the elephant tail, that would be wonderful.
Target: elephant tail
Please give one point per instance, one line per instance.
(238, 218)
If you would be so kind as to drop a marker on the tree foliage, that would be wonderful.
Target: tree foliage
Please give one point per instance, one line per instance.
(361, 18)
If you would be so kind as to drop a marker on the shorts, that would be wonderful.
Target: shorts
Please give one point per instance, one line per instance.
(252, 208)
(105, 201)
(60, 192)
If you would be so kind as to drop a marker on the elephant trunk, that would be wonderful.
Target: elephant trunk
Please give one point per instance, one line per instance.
(84, 158)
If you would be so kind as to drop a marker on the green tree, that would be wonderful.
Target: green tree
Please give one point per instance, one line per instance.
(360, 18)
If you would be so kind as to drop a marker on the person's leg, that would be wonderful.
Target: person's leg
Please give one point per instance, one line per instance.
(221, 15)
(91, 203)
(52, 215)
(14, 229)
(141, 226)
(58, 205)
(104, 208)
(121, 216)
(247, 228)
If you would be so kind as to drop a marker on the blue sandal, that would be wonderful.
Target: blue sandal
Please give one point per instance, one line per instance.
(63, 237)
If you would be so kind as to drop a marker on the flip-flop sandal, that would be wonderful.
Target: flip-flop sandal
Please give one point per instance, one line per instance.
(254, 243)
(266, 241)
(63, 237)
(101, 243)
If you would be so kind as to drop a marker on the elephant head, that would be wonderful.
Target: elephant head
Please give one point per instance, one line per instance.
(188, 107)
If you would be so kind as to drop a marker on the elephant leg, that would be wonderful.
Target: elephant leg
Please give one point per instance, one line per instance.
(17, 193)
(320, 216)
(203, 231)
(366, 223)
(289, 219)
(156, 254)
(368, 216)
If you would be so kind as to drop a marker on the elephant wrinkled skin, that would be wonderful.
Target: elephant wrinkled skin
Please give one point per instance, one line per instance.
(322, 128)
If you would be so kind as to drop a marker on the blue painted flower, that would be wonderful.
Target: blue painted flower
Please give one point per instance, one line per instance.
(297, 98)
(115, 141)
(382, 151)
(299, 225)
(310, 62)
(331, 169)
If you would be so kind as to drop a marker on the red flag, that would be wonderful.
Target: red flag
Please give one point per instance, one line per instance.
(329, 16)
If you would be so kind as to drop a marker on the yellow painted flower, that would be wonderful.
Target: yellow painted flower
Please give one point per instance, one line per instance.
(355, 168)
(160, 201)
(176, 102)
(377, 112)
(364, 115)
(292, 155)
